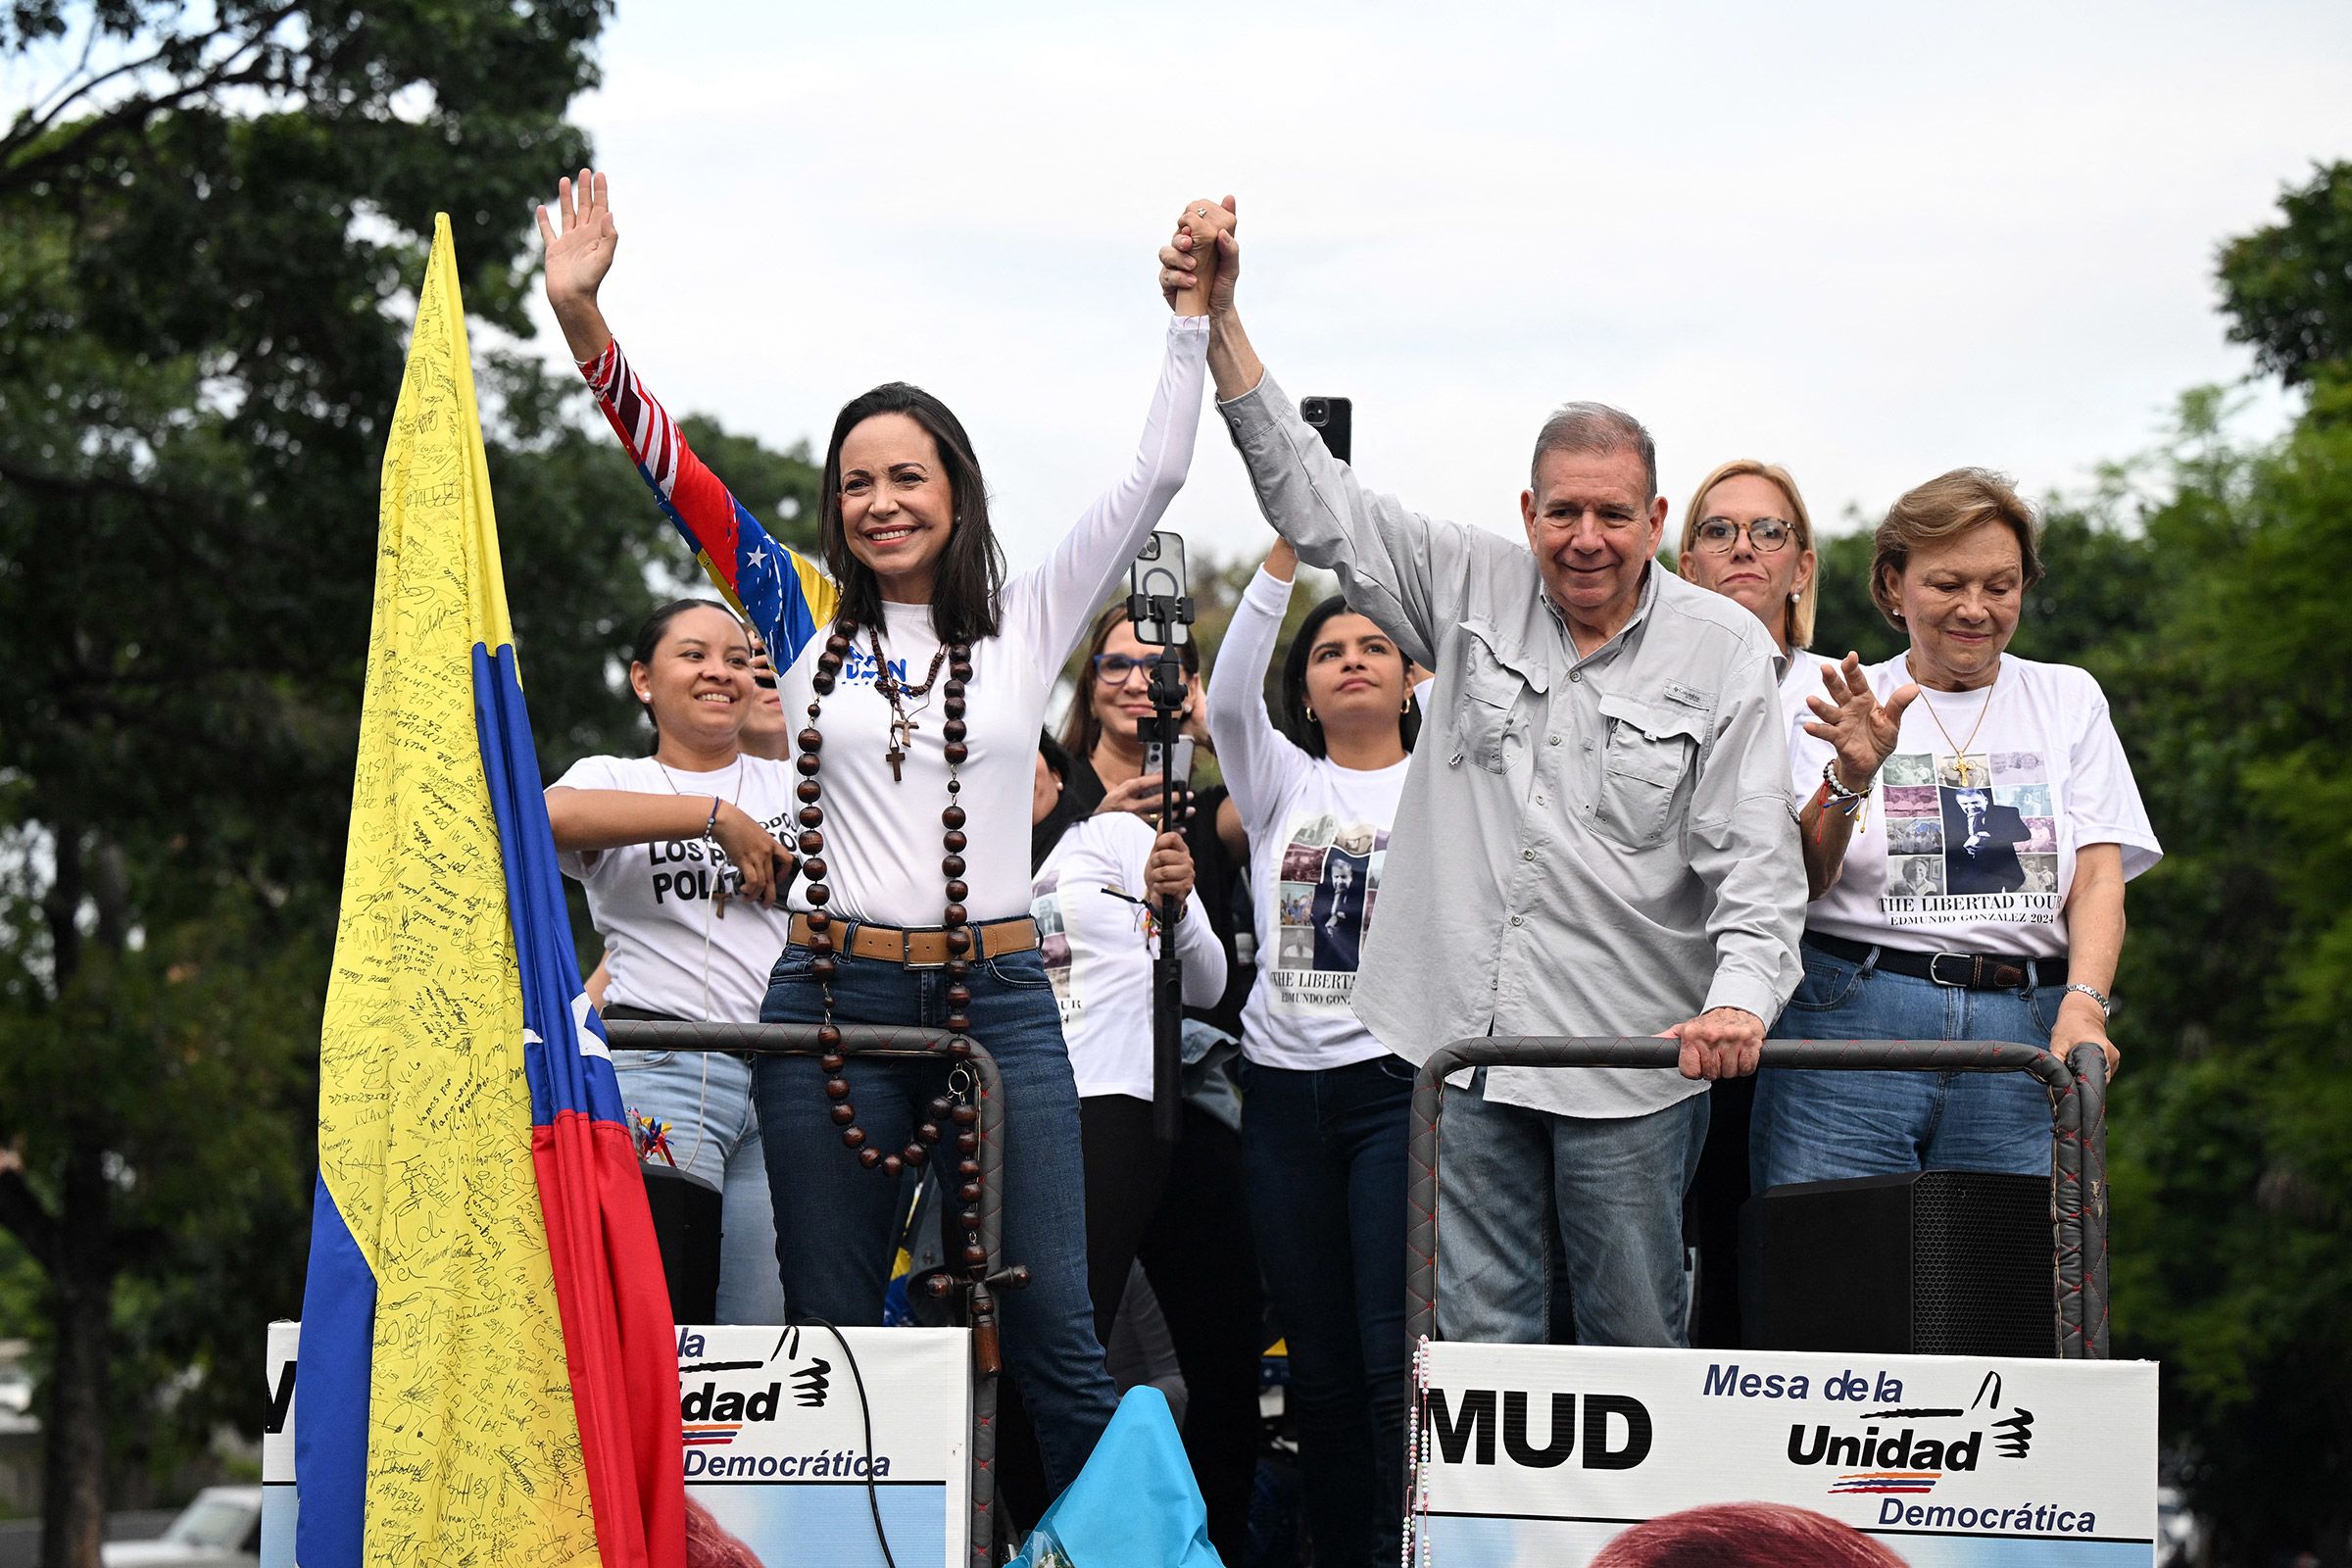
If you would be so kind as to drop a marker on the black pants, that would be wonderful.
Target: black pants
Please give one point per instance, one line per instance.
(1177, 1210)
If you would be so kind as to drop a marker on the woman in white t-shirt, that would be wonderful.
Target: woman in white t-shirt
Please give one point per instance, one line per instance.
(1935, 817)
(922, 705)
(1325, 1106)
(674, 850)
(1175, 1207)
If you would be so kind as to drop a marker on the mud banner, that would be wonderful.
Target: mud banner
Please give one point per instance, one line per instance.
(1568, 1457)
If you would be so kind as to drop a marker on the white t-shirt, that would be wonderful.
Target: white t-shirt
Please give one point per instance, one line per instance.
(1318, 836)
(1800, 680)
(1975, 853)
(670, 947)
(1100, 942)
(883, 834)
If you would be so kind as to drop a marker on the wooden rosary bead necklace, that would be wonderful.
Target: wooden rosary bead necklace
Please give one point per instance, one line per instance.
(957, 658)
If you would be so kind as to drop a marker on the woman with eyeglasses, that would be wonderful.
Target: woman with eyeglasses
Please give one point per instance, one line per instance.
(1747, 536)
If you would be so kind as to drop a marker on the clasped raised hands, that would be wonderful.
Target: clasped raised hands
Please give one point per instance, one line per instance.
(1862, 730)
(1201, 259)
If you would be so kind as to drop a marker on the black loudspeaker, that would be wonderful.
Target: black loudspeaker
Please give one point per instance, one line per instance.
(1940, 1263)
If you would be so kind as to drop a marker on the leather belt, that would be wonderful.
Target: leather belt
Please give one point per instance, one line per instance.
(924, 949)
(1967, 971)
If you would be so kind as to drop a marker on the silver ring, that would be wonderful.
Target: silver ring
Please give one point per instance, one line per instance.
(1199, 212)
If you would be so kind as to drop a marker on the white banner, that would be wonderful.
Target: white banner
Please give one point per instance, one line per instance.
(1565, 1456)
(778, 1458)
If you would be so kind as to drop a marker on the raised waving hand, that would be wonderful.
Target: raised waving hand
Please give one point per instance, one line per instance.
(579, 242)
(1862, 730)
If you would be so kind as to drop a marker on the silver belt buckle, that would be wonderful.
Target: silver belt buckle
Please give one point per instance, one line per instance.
(907, 958)
(1968, 962)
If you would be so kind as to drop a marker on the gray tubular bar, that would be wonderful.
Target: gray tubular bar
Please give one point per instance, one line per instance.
(2090, 1066)
(2079, 1228)
(872, 1039)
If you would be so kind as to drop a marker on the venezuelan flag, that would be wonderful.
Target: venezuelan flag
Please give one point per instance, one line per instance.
(488, 1372)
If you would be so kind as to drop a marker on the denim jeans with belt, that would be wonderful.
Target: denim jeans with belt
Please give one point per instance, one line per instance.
(1608, 1190)
(1815, 1124)
(1325, 1153)
(836, 1221)
(705, 1097)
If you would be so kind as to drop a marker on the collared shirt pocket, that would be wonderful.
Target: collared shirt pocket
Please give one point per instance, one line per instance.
(1495, 674)
(1653, 748)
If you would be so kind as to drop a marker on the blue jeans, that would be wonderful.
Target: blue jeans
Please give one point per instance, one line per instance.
(1613, 1185)
(836, 1221)
(714, 1137)
(1325, 1153)
(1821, 1124)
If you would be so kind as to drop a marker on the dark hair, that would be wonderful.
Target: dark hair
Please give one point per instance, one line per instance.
(648, 638)
(1081, 730)
(1043, 836)
(1308, 732)
(971, 569)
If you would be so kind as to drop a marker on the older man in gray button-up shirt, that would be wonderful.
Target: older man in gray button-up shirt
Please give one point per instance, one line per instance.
(1595, 840)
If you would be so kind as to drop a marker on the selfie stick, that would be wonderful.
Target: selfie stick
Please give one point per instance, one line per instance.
(1162, 612)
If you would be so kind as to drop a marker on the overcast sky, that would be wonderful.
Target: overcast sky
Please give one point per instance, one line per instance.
(1848, 238)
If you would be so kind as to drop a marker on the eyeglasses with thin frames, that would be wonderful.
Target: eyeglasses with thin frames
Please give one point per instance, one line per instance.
(1113, 670)
(1716, 535)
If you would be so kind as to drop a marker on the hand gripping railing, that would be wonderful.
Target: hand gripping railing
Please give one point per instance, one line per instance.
(907, 1045)
(2078, 1089)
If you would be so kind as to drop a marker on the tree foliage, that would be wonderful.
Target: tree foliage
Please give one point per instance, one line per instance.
(2288, 287)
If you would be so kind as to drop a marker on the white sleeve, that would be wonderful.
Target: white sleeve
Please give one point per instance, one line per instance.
(588, 774)
(1256, 758)
(1200, 954)
(2102, 799)
(1056, 600)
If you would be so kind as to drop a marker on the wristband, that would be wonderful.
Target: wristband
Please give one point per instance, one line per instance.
(2106, 1007)
(1839, 794)
(711, 828)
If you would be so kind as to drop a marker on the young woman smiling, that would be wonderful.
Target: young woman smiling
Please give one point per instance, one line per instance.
(922, 703)
(1325, 1106)
(680, 856)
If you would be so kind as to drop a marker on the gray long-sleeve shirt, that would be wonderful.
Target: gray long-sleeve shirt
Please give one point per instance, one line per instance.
(1588, 844)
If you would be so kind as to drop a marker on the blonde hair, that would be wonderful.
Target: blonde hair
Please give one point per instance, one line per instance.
(1797, 623)
(1945, 507)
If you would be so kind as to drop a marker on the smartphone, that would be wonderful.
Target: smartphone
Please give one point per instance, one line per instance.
(1158, 574)
(1334, 419)
(1183, 769)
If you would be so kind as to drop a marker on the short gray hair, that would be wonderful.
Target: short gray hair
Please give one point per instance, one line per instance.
(1595, 428)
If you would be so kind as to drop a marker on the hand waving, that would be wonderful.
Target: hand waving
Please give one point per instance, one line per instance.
(1863, 731)
(580, 254)
(1201, 262)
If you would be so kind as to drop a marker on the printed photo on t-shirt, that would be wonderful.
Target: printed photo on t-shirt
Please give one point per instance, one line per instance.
(1980, 843)
(1323, 907)
(1053, 945)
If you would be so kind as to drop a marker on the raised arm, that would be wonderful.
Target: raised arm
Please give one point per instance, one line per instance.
(1254, 754)
(784, 594)
(1859, 733)
(1385, 554)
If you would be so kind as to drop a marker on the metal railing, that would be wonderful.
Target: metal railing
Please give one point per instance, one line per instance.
(873, 1042)
(2078, 1089)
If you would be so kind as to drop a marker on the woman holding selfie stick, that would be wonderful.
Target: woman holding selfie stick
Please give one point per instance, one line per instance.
(922, 702)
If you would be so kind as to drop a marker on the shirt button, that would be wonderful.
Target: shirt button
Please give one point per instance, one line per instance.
(1515, 920)
(1555, 740)
(1576, 674)
(1527, 855)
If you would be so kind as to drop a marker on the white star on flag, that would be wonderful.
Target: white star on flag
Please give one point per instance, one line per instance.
(759, 556)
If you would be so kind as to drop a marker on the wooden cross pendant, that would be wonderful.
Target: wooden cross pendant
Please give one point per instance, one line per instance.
(901, 736)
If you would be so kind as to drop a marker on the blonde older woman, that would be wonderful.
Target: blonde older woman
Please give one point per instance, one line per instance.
(1746, 535)
(1934, 813)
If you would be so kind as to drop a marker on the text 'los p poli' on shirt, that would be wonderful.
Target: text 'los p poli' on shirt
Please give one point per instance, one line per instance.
(1975, 852)
(675, 948)
(1101, 938)
(1318, 844)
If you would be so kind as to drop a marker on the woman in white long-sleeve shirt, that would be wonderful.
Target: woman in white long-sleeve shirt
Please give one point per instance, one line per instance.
(916, 762)
(1324, 1105)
